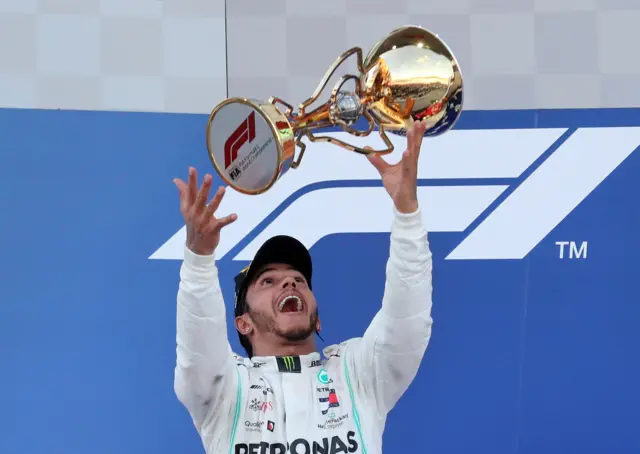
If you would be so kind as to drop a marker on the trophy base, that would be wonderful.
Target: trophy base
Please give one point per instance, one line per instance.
(251, 144)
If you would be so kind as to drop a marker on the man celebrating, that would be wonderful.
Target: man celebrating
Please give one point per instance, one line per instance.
(285, 398)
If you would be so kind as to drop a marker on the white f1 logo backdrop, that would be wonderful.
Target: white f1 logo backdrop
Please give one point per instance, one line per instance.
(536, 349)
(507, 189)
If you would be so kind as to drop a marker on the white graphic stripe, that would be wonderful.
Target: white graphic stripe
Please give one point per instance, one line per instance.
(446, 209)
(457, 154)
(489, 153)
(553, 191)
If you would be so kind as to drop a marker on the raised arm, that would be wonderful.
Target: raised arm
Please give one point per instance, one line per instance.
(204, 372)
(389, 354)
(387, 358)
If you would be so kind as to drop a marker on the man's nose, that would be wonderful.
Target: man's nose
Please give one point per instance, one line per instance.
(288, 282)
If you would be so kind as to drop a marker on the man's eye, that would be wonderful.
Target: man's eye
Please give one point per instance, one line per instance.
(267, 281)
(300, 279)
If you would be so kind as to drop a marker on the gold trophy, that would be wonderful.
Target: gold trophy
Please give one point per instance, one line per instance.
(410, 75)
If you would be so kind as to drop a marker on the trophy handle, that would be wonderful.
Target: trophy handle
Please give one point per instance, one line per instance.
(347, 146)
(321, 117)
(327, 76)
(275, 100)
(381, 132)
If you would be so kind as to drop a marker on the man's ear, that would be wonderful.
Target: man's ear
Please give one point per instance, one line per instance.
(318, 325)
(243, 325)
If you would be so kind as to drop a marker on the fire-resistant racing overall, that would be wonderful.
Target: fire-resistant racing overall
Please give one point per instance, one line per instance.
(304, 404)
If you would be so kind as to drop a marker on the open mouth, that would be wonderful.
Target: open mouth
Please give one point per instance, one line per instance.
(290, 304)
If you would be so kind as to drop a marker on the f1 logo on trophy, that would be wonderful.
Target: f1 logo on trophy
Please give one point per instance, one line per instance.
(409, 75)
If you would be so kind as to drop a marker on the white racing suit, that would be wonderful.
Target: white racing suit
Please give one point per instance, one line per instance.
(304, 404)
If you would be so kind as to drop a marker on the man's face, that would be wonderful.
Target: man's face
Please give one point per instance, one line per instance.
(281, 303)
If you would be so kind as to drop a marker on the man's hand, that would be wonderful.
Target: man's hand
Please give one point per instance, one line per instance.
(401, 179)
(203, 228)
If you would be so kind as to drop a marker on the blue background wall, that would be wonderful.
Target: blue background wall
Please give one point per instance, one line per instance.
(527, 356)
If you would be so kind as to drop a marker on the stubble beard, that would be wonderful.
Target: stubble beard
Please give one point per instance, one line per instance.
(268, 324)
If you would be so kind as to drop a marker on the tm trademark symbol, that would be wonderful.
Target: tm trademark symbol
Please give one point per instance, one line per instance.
(575, 251)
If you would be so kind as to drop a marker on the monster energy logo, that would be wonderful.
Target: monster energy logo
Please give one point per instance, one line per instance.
(289, 363)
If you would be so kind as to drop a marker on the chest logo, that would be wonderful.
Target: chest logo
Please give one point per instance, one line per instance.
(323, 377)
(289, 364)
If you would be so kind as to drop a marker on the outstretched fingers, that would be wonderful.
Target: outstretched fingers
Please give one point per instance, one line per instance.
(183, 191)
(225, 221)
(215, 202)
(408, 156)
(414, 143)
(203, 195)
(420, 127)
(377, 161)
(193, 186)
(216, 224)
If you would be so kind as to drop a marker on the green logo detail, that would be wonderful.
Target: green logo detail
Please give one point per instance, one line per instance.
(323, 377)
(289, 363)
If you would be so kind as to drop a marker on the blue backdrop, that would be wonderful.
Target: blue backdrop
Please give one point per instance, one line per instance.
(527, 356)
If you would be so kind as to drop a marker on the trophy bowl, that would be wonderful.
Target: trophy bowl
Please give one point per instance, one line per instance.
(412, 75)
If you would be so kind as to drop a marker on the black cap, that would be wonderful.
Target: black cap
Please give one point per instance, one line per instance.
(279, 249)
